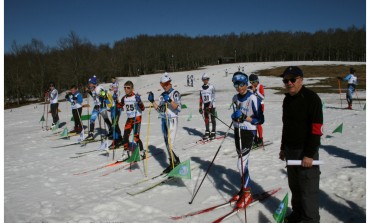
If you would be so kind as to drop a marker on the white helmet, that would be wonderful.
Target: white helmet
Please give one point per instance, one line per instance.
(205, 76)
(165, 78)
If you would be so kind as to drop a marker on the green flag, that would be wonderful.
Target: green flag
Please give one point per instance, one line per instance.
(64, 133)
(182, 170)
(339, 129)
(42, 118)
(364, 107)
(135, 156)
(83, 118)
(279, 214)
(190, 116)
(184, 106)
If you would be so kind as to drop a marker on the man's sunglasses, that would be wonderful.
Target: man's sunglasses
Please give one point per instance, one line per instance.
(292, 80)
(240, 84)
(165, 84)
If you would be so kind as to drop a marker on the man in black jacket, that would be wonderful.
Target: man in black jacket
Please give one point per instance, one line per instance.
(302, 129)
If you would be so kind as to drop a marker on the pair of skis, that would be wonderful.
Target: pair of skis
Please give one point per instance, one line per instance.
(256, 198)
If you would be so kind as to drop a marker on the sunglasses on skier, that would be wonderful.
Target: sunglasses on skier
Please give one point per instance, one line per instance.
(165, 84)
(253, 82)
(239, 84)
(292, 80)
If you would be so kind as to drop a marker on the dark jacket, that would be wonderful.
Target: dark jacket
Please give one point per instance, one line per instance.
(302, 121)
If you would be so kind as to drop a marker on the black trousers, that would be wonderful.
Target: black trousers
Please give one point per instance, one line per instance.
(304, 184)
(247, 137)
(207, 113)
(54, 112)
(77, 117)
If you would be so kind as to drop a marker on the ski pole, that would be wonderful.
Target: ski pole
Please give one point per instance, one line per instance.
(219, 119)
(210, 165)
(169, 139)
(147, 143)
(133, 136)
(340, 94)
(358, 99)
(43, 114)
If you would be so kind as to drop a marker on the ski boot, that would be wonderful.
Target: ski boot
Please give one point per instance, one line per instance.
(125, 156)
(236, 196)
(169, 168)
(245, 199)
(212, 136)
(206, 135)
(90, 136)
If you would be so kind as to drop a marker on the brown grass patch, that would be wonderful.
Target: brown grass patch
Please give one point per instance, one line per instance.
(329, 71)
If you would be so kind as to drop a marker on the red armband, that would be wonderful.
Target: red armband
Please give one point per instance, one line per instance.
(317, 129)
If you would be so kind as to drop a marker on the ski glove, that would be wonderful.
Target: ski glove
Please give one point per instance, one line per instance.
(200, 110)
(167, 98)
(238, 116)
(137, 98)
(151, 97)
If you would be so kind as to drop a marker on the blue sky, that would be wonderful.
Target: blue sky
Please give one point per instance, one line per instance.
(107, 21)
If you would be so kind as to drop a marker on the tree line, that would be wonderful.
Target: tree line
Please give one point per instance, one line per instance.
(29, 68)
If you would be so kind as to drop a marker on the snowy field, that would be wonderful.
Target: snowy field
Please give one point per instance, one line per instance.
(43, 184)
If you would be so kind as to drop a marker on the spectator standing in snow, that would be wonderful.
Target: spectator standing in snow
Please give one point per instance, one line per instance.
(53, 98)
(302, 129)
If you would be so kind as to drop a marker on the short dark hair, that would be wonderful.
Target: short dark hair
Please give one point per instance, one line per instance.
(73, 86)
(129, 83)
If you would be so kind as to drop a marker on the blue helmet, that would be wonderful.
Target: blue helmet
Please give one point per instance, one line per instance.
(93, 80)
(240, 77)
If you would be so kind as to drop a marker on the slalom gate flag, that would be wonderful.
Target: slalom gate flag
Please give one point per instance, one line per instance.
(190, 116)
(339, 129)
(42, 118)
(64, 133)
(184, 106)
(135, 156)
(83, 117)
(279, 214)
(181, 171)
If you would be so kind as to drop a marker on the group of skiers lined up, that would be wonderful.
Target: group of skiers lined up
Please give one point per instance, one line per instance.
(302, 109)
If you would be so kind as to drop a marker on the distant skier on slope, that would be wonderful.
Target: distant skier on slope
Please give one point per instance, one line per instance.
(351, 88)
(168, 107)
(207, 106)
(246, 116)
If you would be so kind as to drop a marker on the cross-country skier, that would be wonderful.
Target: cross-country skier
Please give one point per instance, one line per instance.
(53, 98)
(75, 98)
(115, 113)
(257, 89)
(351, 88)
(246, 117)
(134, 107)
(207, 106)
(99, 96)
(169, 105)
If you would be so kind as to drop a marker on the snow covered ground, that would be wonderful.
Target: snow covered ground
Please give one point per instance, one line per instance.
(41, 184)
